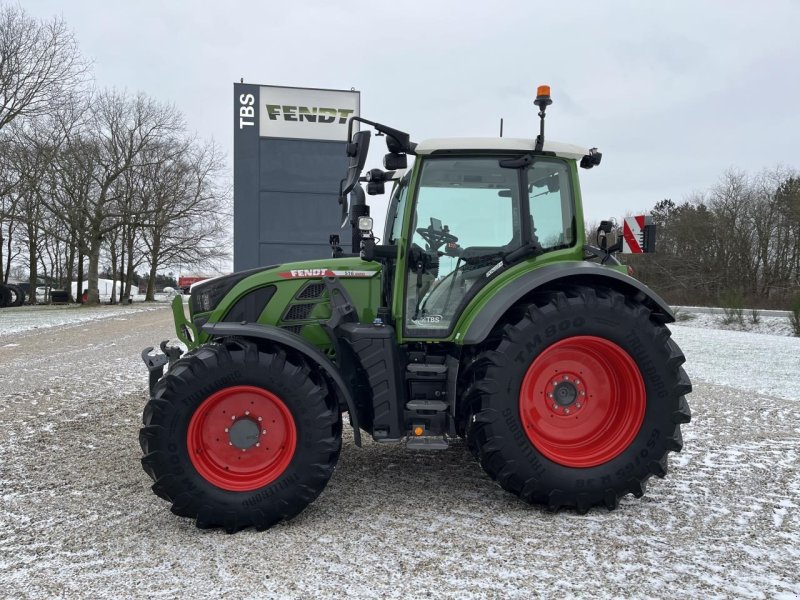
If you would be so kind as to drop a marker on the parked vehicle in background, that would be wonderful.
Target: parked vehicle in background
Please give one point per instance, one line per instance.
(105, 287)
(185, 282)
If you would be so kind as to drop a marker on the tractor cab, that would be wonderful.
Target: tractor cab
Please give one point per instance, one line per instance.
(466, 214)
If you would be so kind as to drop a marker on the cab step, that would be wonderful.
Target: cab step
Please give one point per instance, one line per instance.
(427, 405)
(427, 442)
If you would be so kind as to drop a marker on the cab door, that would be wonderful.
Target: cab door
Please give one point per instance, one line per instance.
(467, 216)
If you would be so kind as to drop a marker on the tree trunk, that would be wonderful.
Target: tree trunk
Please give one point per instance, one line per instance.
(94, 266)
(151, 281)
(33, 263)
(8, 254)
(114, 261)
(122, 265)
(70, 269)
(129, 271)
(79, 286)
(2, 280)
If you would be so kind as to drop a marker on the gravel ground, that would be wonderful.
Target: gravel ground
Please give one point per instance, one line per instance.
(27, 318)
(77, 518)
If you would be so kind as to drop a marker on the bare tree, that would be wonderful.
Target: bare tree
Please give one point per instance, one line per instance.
(124, 129)
(187, 208)
(39, 63)
(740, 242)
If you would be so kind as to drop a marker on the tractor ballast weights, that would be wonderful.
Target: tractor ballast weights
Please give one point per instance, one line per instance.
(479, 314)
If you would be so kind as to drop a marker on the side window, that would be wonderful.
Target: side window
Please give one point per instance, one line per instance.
(551, 205)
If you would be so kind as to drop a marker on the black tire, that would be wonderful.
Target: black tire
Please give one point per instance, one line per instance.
(17, 295)
(5, 296)
(508, 454)
(196, 377)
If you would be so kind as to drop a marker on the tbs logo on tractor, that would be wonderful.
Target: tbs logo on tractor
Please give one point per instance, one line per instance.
(480, 314)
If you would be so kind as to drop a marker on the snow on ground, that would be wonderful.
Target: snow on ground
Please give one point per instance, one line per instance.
(26, 318)
(77, 517)
(764, 364)
(767, 323)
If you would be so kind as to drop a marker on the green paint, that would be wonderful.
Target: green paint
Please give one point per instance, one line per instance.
(181, 322)
(365, 292)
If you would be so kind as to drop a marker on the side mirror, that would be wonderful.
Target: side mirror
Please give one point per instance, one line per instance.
(357, 152)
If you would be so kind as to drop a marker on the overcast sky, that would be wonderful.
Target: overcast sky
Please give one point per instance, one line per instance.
(672, 93)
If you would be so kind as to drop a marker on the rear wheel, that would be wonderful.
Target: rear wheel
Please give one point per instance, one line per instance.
(237, 436)
(578, 400)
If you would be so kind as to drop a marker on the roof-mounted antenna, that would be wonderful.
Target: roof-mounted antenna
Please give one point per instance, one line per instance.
(501, 126)
(542, 101)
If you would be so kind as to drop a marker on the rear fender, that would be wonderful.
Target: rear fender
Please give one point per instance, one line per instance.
(567, 272)
(298, 344)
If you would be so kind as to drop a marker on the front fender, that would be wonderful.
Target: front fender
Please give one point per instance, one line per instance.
(573, 271)
(184, 328)
(307, 349)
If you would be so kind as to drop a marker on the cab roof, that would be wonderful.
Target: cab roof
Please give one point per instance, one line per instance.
(498, 144)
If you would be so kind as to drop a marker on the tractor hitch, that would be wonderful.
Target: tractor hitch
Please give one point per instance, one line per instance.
(155, 363)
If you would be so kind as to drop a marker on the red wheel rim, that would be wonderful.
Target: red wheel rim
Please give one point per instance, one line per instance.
(241, 438)
(582, 401)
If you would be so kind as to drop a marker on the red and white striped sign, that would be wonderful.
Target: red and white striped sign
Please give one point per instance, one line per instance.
(633, 235)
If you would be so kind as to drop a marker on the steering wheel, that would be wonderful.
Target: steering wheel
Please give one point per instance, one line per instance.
(436, 238)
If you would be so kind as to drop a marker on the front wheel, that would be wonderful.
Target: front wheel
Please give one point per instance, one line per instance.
(578, 400)
(238, 436)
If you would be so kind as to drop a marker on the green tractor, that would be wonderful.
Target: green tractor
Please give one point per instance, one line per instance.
(481, 314)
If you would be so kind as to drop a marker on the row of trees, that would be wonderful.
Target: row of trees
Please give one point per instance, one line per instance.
(91, 177)
(737, 243)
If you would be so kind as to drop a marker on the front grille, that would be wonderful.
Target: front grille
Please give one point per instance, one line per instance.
(312, 290)
(298, 312)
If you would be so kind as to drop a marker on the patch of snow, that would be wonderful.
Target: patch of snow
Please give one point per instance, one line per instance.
(768, 324)
(765, 364)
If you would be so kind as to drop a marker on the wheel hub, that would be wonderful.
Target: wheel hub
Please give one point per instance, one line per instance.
(567, 395)
(244, 433)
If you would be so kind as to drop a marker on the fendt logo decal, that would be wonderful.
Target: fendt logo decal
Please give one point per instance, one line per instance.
(311, 273)
(311, 114)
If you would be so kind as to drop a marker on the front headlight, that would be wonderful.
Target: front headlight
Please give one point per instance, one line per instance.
(206, 296)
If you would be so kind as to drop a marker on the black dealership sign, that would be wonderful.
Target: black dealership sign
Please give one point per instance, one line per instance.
(288, 158)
